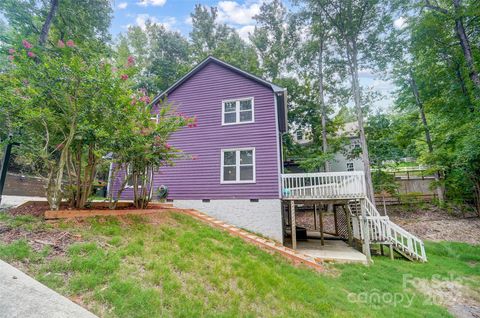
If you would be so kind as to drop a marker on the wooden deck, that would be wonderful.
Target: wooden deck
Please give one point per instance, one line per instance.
(323, 186)
(364, 222)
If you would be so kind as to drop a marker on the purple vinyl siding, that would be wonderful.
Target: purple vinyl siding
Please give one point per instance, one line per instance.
(202, 96)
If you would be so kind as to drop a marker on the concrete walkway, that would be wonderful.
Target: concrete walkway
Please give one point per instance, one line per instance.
(9, 201)
(23, 296)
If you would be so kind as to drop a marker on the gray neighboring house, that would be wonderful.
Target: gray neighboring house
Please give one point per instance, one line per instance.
(343, 160)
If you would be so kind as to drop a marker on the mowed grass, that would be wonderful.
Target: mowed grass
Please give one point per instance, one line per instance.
(174, 266)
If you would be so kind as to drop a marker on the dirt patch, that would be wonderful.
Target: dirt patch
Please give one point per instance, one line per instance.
(38, 240)
(434, 224)
(461, 301)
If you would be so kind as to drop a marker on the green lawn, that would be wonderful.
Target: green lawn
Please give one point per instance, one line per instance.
(176, 266)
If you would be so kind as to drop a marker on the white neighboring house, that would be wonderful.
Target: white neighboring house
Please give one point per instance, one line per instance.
(343, 160)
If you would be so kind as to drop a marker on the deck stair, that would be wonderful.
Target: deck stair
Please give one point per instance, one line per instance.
(367, 223)
(382, 230)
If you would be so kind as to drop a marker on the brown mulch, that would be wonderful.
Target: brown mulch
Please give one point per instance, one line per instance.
(34, 209)
(38, 208)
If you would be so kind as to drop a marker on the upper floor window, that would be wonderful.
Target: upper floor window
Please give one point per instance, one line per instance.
(237, 111)
(350, 166)
(238, 165)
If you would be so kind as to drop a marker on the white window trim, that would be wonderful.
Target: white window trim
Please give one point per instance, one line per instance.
(237, 111)
(237, 166)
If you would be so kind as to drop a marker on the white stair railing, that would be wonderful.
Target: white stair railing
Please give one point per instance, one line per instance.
(382, 230)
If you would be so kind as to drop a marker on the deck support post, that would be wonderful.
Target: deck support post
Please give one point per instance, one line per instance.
(322, 239)
(315, 217)
(366, 233)
(391, 251)
(293, 224)
(335, 221)
(349, 225)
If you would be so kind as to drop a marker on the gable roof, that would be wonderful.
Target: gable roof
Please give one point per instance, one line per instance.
(280, 92)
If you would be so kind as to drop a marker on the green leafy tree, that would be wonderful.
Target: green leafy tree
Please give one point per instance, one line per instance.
(274, 38)
(69, 105)
(81, 21)
(210, 37)
(140, 147)
(162, 55)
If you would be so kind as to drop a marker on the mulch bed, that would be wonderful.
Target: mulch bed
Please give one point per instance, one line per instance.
(38, 208)
(30, 208)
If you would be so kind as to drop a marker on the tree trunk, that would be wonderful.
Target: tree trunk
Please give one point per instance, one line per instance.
(48, 22)
(353, 65)
(463, 87)
(323, 107)
(477, 197)
(89, 175)
(428, 138)
(114, 201)
(465, 44)
(79, 173)
(55, 194)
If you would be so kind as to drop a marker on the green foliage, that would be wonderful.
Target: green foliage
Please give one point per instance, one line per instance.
(80, 21)
(427, 48)
(211, 37)
(162, 56)
(384, 182)
(383, 132)
(275, 37)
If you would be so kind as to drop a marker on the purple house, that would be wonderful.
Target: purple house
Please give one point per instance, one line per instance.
(236, 148)
(235, 173)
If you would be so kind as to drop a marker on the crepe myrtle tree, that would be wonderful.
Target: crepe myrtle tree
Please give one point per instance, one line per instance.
(71, 105)
(140, 147)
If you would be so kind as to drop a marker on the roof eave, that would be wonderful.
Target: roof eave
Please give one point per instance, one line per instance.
(273, 87)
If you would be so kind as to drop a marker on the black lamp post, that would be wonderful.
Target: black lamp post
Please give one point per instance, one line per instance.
(4, 167)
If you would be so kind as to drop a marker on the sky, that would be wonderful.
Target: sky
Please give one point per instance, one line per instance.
(175, 15)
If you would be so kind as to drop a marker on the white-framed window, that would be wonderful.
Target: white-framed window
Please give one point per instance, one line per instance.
(237, 111)
(350, 166)
(155, 118)
(237, 165)
(299, 135)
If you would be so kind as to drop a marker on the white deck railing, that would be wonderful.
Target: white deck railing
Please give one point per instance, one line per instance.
(328, 185)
